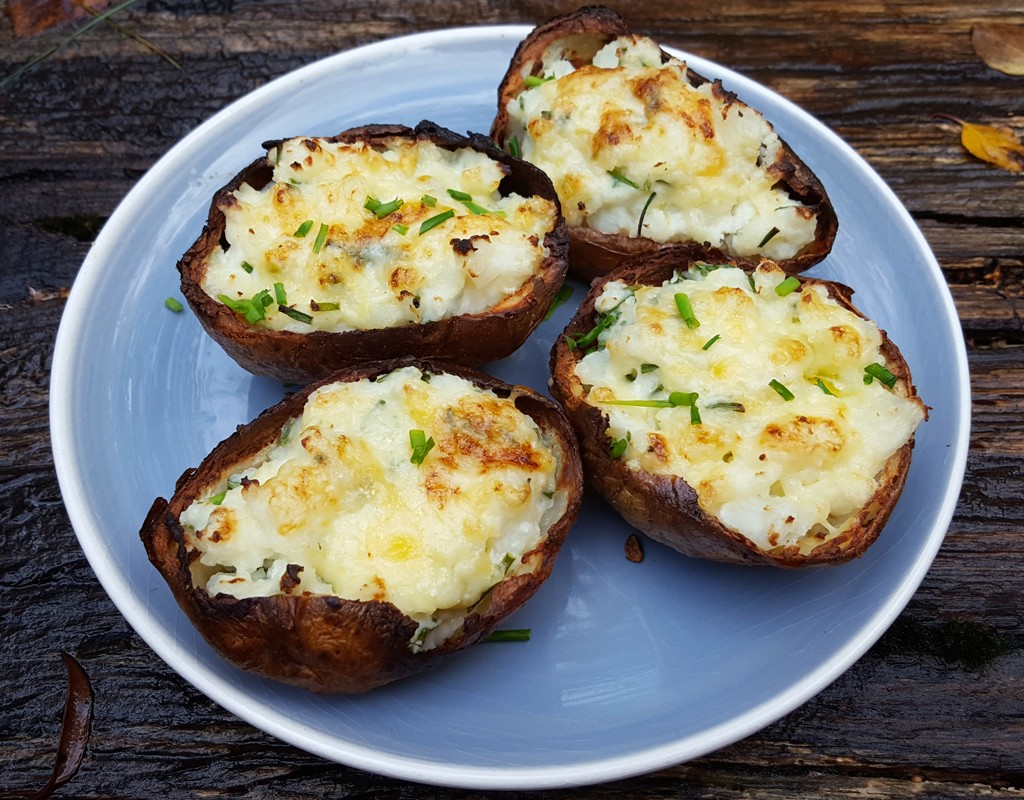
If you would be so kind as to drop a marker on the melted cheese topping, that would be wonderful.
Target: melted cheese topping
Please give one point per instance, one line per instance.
(347, 268)
(338, 507)
(627, 129)
(779, 471)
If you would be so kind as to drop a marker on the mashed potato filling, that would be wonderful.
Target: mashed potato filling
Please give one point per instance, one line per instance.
(633, 149)
(765, 397)
(346, 503)
(348, 237)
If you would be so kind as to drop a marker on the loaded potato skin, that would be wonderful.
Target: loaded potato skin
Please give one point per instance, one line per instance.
(294, 628)
(752, 448)
(378, 286)
(633, 149)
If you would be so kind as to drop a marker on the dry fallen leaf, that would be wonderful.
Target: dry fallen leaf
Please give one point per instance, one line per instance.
(1000, 45)
(634, 550)
(32, 16)
(992, 143)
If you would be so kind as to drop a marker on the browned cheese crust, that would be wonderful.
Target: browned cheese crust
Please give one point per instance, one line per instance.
(665, 507)
(578, 36)
(470, 339)
(329, 644)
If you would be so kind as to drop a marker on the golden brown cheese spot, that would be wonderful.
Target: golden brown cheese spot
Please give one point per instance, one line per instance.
(616, 128)
(222, 525)
(804, 435)
(479, 431)
(439, 489)
(848, 341)
(788, 351)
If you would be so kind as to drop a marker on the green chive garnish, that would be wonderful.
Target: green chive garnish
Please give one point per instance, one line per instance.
(784, 393)
(880, 373)
(618, 177)
(420, 444)
(390, 207)
(476, 209)
(174, 305)
(218, 498)
(563, 294)
(507, 562)
(303, 229)
(768, 237)
(455, 194)
(640, 403)
(829, 390)
(533, 81)
(247, 267)
(295, 314)
(372, 203)
(739, 408)
(511, 635)
(711, 341)
(429, 201)
(643, 213)
(279, 294)
(321, 237)
(400, 229)
(683, 398)
(253, 310)
(435, 220)
(787, 286)
(645, 368)
(694, 415)
(686, 311)
(618, 448)
(584, 340)
(315, 306)
(513, 147)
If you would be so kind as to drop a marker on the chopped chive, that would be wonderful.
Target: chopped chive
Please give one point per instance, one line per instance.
(513, 147)
(683, 398)
(739, 408)
(247, 267)
(372, 203)
(507, 562)
(315, 306)
(400, 229)
(321, 237)
(218, 498)
(455, 194)
(286, 432)
(303, 229)
(174, 305)
(631, 375)
(643, 213)
(618, 177)
(783, 392)
(390, 207)
(435, 220)
(295, 314)
(768, 237)
(428, 201)
(584, 340)
(618, 448)
(253, 309)
(534, 81)
(511, 635)
(826, 388)
(564, 293)
(880, 373)
(279, 294)
(686, 311)
(711, 341)
(787, 286)
(645, 368)
(640, 403)
(694, 415)
(420, 444)
(476, 209)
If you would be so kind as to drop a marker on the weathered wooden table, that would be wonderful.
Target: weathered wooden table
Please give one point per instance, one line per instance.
(935, 709)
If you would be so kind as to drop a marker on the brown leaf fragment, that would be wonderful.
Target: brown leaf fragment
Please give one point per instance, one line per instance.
(74, 732)
(992, 143)
(1000, 45)
(37, 296)
(32, 16)
(634, 549)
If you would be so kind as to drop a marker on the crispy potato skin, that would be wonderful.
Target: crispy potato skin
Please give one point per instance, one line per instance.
(329, 644)
(470, 339)
(665, 507)
(579, 35)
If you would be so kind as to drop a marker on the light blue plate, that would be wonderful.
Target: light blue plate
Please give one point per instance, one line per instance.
(632, 667)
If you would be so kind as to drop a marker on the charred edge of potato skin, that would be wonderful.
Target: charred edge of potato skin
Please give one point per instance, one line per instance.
(328, 644)
(469, 339)
(593, 253)
(665, 508)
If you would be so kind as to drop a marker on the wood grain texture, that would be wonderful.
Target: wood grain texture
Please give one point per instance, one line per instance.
(934, 710)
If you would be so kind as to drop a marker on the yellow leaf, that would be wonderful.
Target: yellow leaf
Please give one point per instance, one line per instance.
(992, 143)
(1000, 45)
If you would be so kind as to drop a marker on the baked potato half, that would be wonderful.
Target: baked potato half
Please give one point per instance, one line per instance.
(741, 416)
(381, 242)
(370, 525)
(646, 154)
